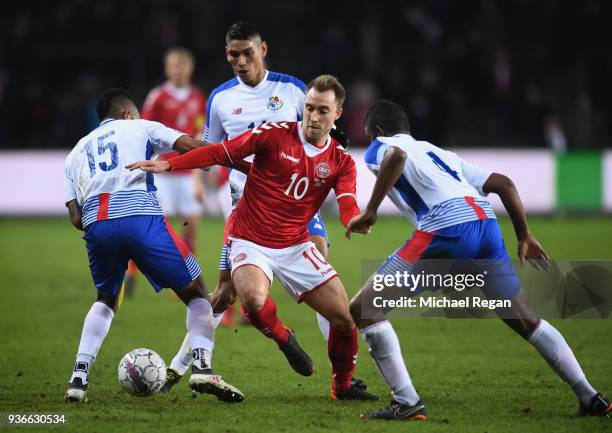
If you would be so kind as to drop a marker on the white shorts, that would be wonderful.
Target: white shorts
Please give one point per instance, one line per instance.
(300, 268)
(175, 193)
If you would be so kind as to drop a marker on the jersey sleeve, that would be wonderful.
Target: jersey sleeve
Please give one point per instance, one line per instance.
(69, 190)
(374, 155)
(161, 137)
(475, 175)
(150, 109)
(213, 130)
(249, 142)
(346, 182)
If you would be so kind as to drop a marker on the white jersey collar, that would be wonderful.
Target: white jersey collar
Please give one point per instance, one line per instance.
(310, 149)
(265, 78)
(105, 121)
(401, 134)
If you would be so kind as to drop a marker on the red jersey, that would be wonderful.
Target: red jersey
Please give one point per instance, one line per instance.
(180, 109)
(288, 182)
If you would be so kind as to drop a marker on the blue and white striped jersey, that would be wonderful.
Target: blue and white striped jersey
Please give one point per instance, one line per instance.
(235, 107)
(95, 173)
(437, 188)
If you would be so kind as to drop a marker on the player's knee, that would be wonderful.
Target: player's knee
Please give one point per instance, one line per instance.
(341, 322)
(252, 295)
(253, 301)
(198, 287)
(195, 289)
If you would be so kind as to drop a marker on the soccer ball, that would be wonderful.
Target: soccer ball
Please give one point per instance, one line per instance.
(142, 372)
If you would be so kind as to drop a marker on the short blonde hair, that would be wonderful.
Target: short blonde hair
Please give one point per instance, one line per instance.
(181, 51)
(326, 82)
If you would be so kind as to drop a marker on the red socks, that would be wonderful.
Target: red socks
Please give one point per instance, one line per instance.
(342, 349)
(266, 321)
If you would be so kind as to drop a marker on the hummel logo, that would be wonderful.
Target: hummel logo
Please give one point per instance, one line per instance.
(237, 110)
(290, 158)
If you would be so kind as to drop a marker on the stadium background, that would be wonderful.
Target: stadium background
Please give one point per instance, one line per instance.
(522, 87)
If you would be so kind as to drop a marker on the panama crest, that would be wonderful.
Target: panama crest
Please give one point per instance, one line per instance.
(274, 103)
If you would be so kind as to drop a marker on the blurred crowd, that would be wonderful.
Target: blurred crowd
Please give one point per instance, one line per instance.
(470, 73)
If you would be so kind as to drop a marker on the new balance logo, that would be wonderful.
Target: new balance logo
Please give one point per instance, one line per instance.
(237, 111)
(290, 158)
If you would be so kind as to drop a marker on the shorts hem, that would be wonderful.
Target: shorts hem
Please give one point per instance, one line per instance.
(303, 295)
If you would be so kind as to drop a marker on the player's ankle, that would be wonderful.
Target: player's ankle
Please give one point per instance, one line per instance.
(340, 385)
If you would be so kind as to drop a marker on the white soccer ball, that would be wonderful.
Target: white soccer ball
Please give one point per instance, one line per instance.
(142, 372)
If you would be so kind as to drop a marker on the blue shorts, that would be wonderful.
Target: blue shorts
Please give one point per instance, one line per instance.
(316, 226)
(479, 242)
(150, 241)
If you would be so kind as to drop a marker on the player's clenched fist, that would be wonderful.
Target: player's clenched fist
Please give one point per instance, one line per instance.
(150, 166)
(361, 223)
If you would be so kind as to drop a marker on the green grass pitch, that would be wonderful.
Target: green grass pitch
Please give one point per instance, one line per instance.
(474, 375)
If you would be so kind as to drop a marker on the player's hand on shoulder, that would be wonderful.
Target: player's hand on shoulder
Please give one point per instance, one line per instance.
(149, 166)
(530, 249)
(361, 223)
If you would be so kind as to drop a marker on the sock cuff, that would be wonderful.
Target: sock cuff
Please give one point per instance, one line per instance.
(385, 324)
(269, 304)
(337, 333)
(269, 307)
(196, 301)
(105, 309)
(538, 330)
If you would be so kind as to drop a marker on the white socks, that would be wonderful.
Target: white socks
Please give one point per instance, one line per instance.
(201, 329)
(324, 327)
(553, 348)
(385, 349)
(184, 357)
(218, 318)
(95, 327)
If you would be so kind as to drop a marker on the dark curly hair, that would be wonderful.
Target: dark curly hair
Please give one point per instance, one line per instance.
(112, 102)
(388, 115)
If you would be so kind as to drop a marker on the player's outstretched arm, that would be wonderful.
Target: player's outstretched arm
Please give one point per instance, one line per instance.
(75, 214)
(391, 169)
(186, 143)
(202, 157)
(149, 166)
(528, 247)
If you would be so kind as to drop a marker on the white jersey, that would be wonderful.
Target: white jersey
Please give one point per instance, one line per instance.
(95, 173)
(234, 107)
(437, 188)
